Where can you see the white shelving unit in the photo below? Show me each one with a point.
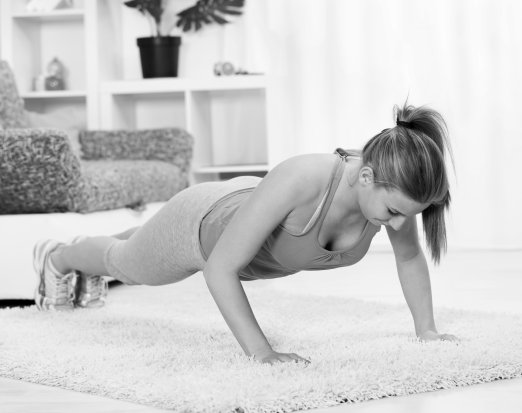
(226, 115)
(55, 15)
(59, 94)
(30, 40)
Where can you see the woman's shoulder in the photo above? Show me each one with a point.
(312, 164)
(309, 172)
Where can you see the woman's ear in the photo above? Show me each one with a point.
(366, 176)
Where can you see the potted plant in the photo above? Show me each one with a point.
(159, 53)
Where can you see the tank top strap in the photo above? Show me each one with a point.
(335, 179)
(328, 195)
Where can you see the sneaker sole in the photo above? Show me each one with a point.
(38, 249)
(39, 253)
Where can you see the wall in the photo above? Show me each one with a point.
(342, 65)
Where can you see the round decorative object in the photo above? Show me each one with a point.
(54, 83)
(224, 69)
(227, 69)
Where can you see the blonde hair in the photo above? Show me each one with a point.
(411, 157)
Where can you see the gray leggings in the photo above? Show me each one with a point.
(166, 249)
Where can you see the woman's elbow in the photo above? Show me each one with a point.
(213, 271)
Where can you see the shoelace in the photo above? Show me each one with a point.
(59, 287)
(97, 286)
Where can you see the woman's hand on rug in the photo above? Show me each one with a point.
(275, 357)
(433, 336)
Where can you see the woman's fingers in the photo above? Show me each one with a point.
(292, 357)
(284, 358)
(449, 337)
(298, 358)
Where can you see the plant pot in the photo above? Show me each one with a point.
(159, 56)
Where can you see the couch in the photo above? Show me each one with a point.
(58, 183)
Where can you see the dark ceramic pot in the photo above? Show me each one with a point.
(159, 56)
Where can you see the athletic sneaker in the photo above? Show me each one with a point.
(55, 291)
(91, 290)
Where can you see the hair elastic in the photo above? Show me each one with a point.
(342, 153)
(404, 124)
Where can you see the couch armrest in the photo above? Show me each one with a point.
(38, 171)
(171, 145)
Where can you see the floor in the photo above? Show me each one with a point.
(485, 280)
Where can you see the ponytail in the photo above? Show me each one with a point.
(411, 157)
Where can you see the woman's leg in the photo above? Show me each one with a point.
(126, 234)
(164, 250)
(86, 256)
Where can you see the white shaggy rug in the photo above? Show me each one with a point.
(169, 347)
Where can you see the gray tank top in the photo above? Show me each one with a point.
(284, 253)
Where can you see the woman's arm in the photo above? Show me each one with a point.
(415, 279)
(230, 297)
(276, 196)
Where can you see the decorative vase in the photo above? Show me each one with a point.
(159, 56)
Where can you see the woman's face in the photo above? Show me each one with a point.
(389, 207)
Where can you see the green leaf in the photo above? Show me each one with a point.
(207, 12)
(152, 7)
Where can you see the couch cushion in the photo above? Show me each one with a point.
(173, 145)
(38, 172)
(128, 183)
(69, 119)
(12, 113)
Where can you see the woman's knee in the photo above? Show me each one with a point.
(165, 279)
(125, 234)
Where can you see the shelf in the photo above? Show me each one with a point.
(232, 168)
(144, 86)
(58, 94)
(173, 85)
(55, 15)
(219, 83)
(220, 112)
